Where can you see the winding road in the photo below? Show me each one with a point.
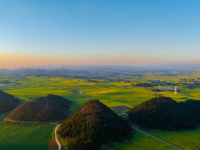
(156, 138)
(59, 145)
(198, 148)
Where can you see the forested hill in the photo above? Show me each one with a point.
(92, 126)
(166, 114)
(194, 106)
(44, 109)
(7, 102)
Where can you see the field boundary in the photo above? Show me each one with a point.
(30, 122)
(156, 138)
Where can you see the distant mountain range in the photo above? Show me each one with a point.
(60, 70)
(40, 72)
(123, 67)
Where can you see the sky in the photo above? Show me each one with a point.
(99, 32)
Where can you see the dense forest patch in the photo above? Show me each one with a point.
(92, 126)
(166, 114)
(7, 102)
(44, 109)
(194, 106)
(144, 84)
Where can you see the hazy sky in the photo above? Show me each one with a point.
(122, 32)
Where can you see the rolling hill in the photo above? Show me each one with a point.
(44, 109)
(165, 113)
(8, 102)
(92, 126)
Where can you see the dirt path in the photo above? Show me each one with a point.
(156, 138)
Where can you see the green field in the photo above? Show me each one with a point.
(25, 137)
(141, 141)
(187, 140)
(113, 93)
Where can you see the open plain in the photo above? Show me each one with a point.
(112, 92)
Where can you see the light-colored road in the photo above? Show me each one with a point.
(86, 95)
(59, 145)
(156, 138)
(198, 148)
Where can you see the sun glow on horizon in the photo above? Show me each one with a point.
(134, 33)
(8, 60)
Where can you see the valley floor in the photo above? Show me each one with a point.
(112, 94)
